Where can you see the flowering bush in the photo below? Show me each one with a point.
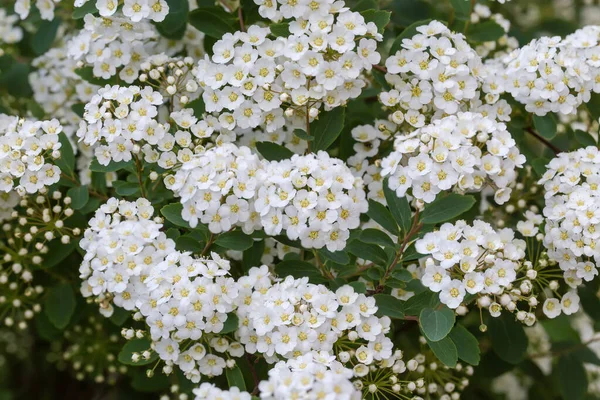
(299, 199)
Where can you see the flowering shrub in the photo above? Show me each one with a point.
(299, 199)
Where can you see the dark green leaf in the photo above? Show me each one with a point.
(188, 243)
(273, 151)
(119, 316)
(281, 29)
(113, 166)
(60, 304)
(445, 350)
(365, 5)
(234, 240)
(198, 106)
(87, 8)
(375, 236)
(235, 377)
(340, 257)
(79, 196)
(390, 306)
(462, 9)
(327, 128)
(66, 162)
(172, 213)
(399, 207)
(436, 323)
(584, 138)
(447, 208)
(367, 251)
(57, 252)
(380, 18)
(213, 21)
(571, 377)
(174, 24)
(303, 135)
(42, 40)
(466, 344)
(546, 125)
(487, 31)
(126, 188)
(136, 346)
(299, 269)
(415, 304)
(231, 323)
(15, 78)
(252, 256)
(380, 214)
(509, 341)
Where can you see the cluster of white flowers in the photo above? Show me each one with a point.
(117, 117)
(27, 148)
(465, 152)
(45, 7)
(134, 10)
(554, 75)
(9, 31)
(313, 375)
(473, 259)
(130, 262)
(211, 391)
(8, 201)
(252, 80)
(292, 317)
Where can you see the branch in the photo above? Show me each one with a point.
(542, 139)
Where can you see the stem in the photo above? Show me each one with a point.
(241, 18)
(254, 374)
(380, 68)
(542, 139)
(208, 244)
(138, 166)
(308, 127)
(566, 350)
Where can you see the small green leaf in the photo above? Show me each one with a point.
(42, 40)
(60, 304)
(299, 269)
(136, 346)
(487, 31)
(119, 316)
(389, 305)
(508, 337)
(79, 196)
(66, 162)
(375, 236)
(545, 125)
(175, 22)
(415, 304)
(273, 151)
(571, 377)
(87, 8)
(188, 243)
(126, 188)
(369, 252)
(281, 29)
(445, 350)
(466, 344)
(379, 18)
(235, 377)
(303, 135)
(340, 257)
(407, 33)
(252, 256)
(327, 128)
(447, 208)
(380, 214)
(213, 21)
(399, 207)
(113, 166)
(234, 240)
(584, 138)
(172, 213)
(462, 9)
(436, 324)
(198, 106)
(231, 323)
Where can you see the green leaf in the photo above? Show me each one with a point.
(487, 31)
(389, 305)
(369, 252)
(508, 338)
(87, 8)
(281, 29)
(407, 33)
(136, 346)
(299, 269)
(231, 323)
(119, 316)
(234, 240)
(340, 257)
(466, 344)
(375, 236)
(593, 105)
(365, 5)
(252, 256)
(445, 350)
(327, 128)
(172, 213)
(380, 214)
(446, 208)
(235, 377)
(462, 9)
(188, 243)
(359, 287)
(399, 207)
(213, 21)
(584, 138)
(15, 79)
(415, 304)
(174, 24)
(197, 106)
(539, 165)
(66, 162)
(126, 188)
(545, 125)
(303, 135)
(42, 40)
(113, 166)
(79, 109)
(59, 305)
(87, 74)
(79, 196)
(380, 18)
(273, 151)
(590, 301)
(57, 252)
(436, 324)
(571, 377)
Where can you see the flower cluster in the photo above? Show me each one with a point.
(252, 80)
(9, 31)
(134, 10)
(45, 7)
(465, 152)
(27, 148)
(554, 75)
(211, 391)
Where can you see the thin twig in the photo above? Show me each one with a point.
(542, 139)
(380, 68)
(565, 350)
(241, 17)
